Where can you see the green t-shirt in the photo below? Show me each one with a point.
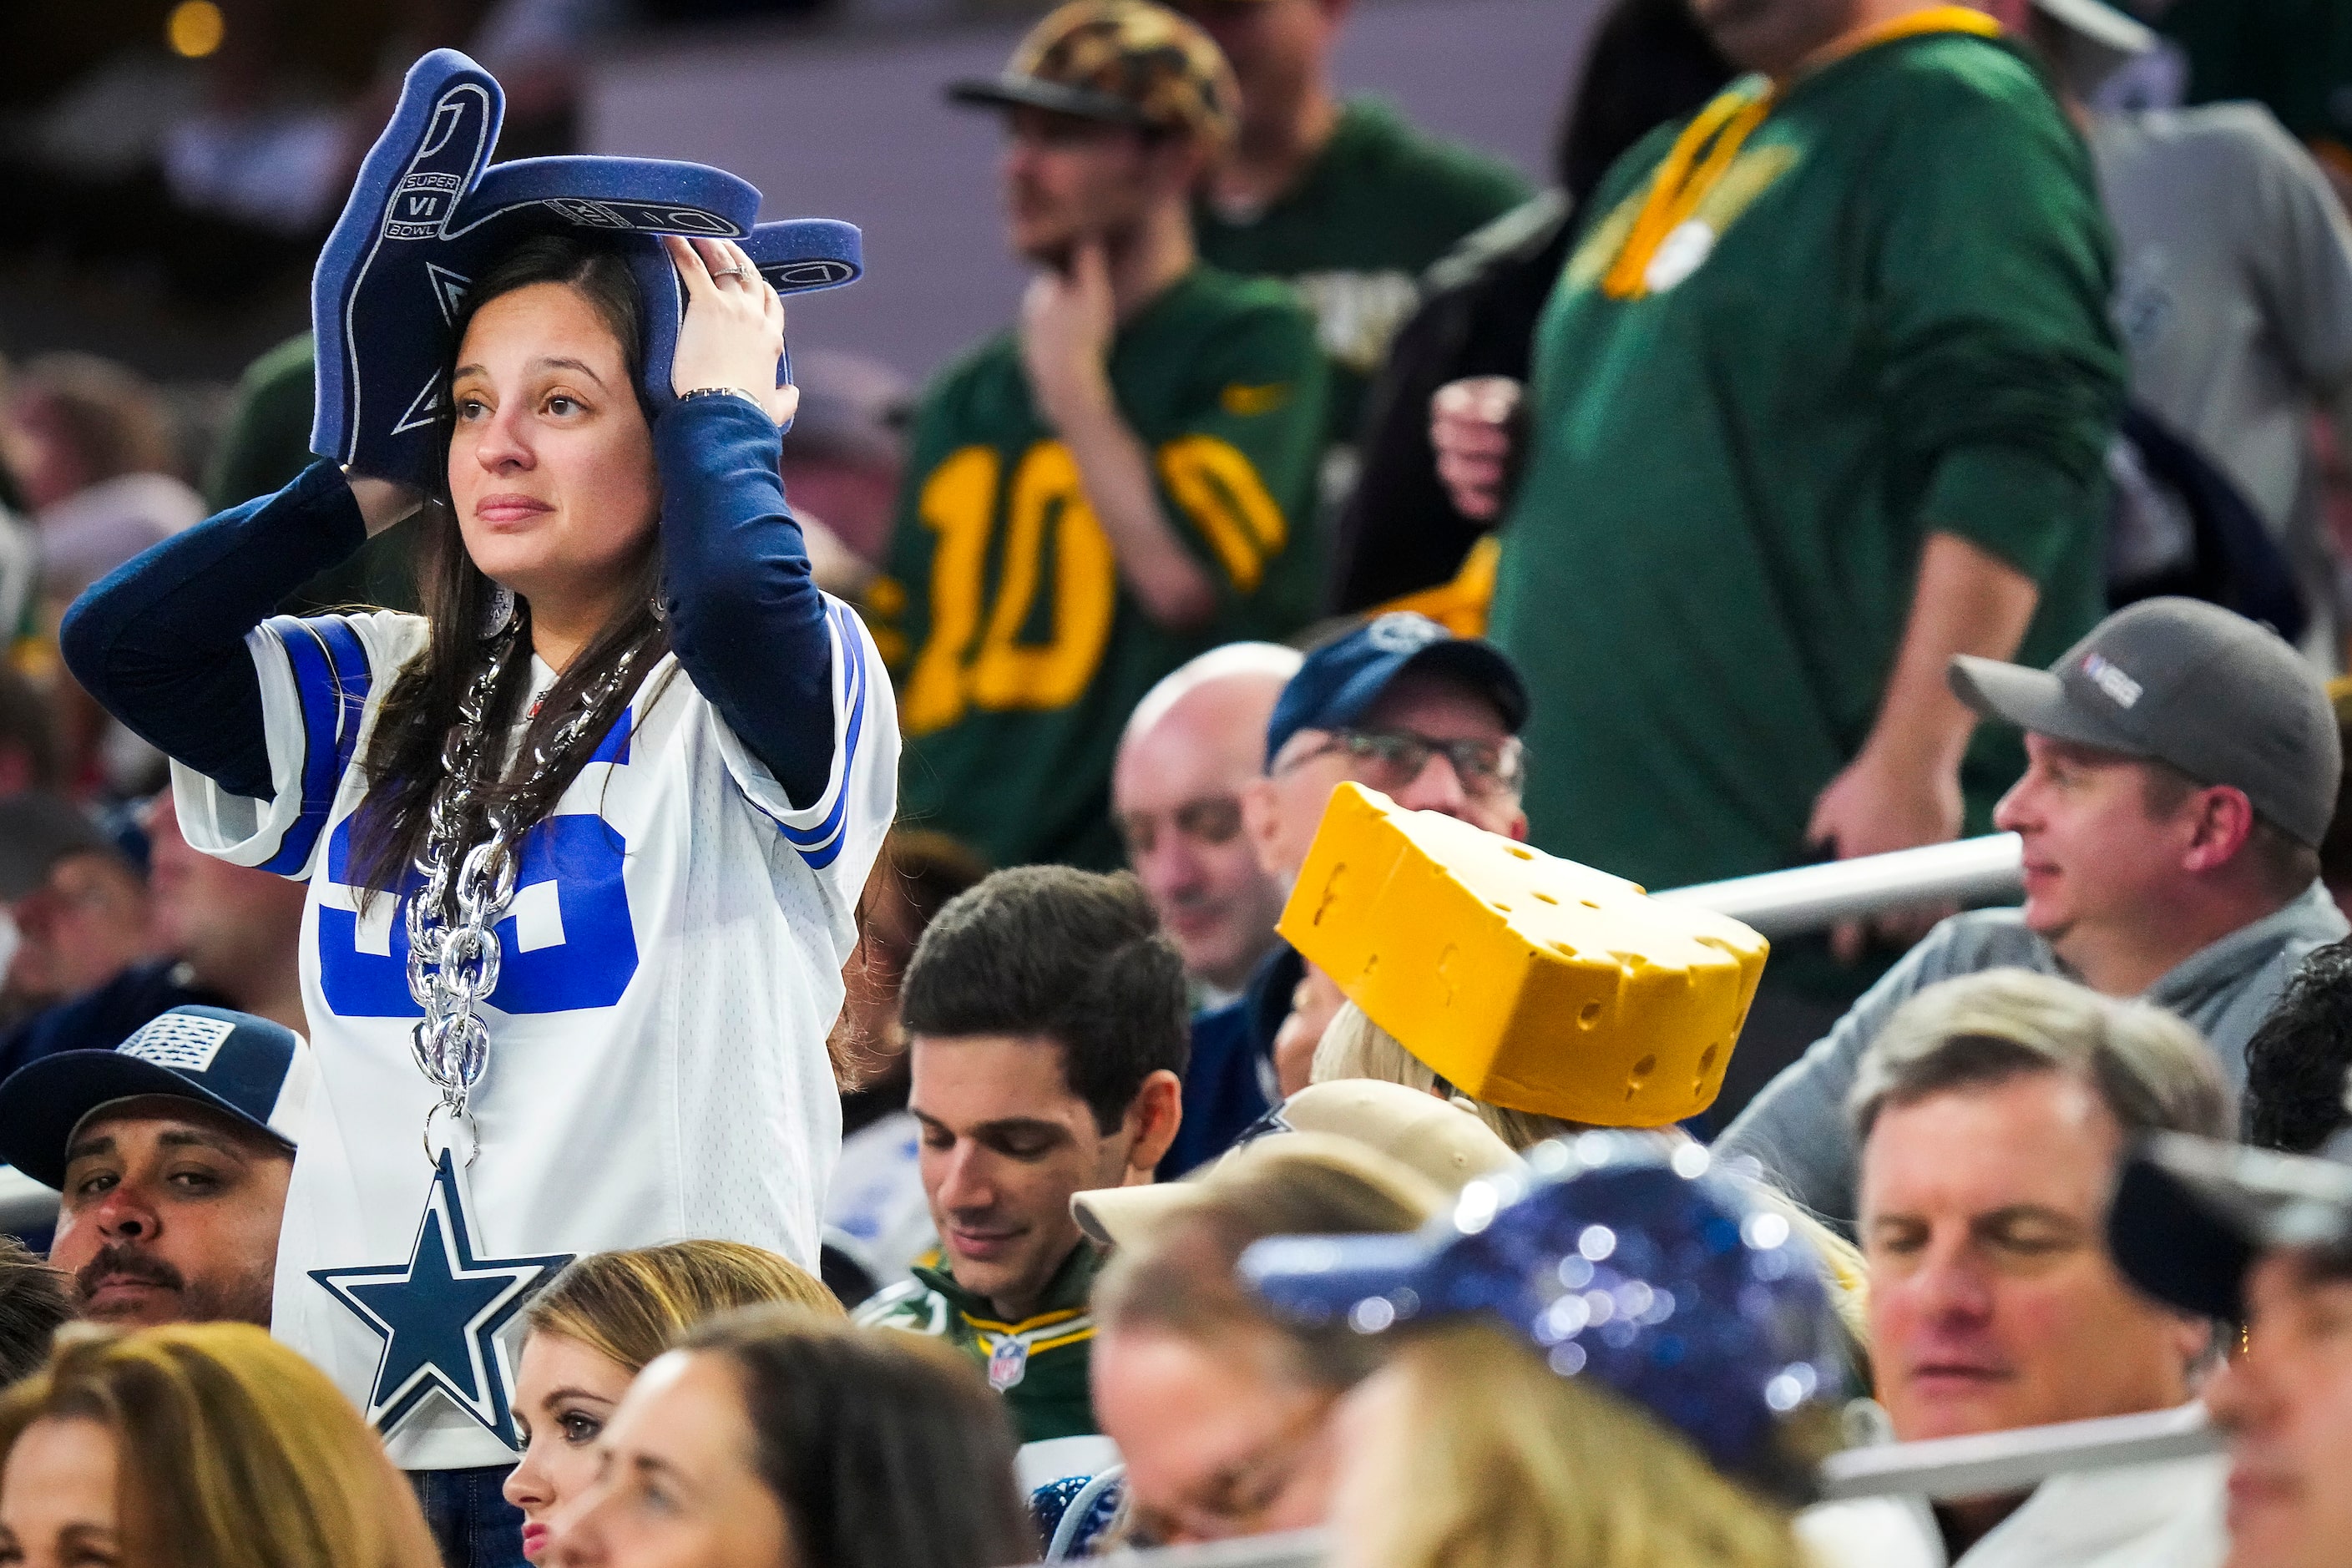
(1017, 650)
(1377, 208)
(1901, 329)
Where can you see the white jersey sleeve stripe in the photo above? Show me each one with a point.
(332, 678)
(315, 676)
(825, 838)
(867, 740)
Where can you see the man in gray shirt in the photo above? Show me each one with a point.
(2233, 286)
(2181, 767)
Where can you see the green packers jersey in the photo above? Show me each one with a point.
(1018, 650)
(1039, 1364)
(1353, 236)
(1887, 319)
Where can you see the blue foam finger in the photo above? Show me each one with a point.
(430, 211)
(632, 200)
(366, 291)
(617, 195)
(802, 255)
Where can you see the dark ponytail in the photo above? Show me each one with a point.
(403, 755)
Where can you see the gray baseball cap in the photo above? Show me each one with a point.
(2221, 698)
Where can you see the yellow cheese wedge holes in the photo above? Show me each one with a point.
(1524, 979)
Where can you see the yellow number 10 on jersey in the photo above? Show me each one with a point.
(1214, 484)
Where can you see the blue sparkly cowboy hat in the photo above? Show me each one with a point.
(430, 210)
(1621, 1256)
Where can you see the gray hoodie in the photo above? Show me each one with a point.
(1798, 1126)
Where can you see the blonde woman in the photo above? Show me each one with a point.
(1465, 1450)
(1356, 1047)
(1629, 1361)
(598, 1325)
(197, 1446)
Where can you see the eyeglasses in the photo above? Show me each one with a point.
(1213, 820)
(1237, 1497)
(1388, 760)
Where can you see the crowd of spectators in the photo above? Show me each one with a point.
(1893, 422)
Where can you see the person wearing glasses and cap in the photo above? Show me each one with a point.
(2182, 767)
(2262, 1239)
(1124, 480)
(1401, 705)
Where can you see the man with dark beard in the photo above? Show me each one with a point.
(170, 1154)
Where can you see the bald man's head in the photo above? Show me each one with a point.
(1194, 741)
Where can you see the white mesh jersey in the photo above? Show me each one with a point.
(670, 967)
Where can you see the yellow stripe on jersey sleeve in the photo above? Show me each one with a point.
(1219, 489)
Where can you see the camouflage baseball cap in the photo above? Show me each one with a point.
(1127, 61)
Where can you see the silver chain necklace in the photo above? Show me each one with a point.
(453, 964)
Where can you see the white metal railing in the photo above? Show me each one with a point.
(1812, 897)
(1986, 1464)
(1291, 1549)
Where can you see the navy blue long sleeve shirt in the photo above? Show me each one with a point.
(161, 641)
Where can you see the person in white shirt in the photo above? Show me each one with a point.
(1992, 1114)
(583, 844)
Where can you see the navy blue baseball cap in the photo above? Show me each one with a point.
(254, 1071)
(1344, 677)
(1624, 1257)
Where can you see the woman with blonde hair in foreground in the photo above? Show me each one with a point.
(1628, 1362)
(197, 1446)
(597, 1326)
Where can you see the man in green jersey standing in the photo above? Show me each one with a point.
(1340, 196)
(1822, 400)
(1121, 483)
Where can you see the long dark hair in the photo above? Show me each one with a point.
(882, 1448)
(404, 757)
(1650, 62)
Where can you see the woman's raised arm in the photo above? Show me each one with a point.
(160, 642)
(745, 615)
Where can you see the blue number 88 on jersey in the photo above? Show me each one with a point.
(566, 941)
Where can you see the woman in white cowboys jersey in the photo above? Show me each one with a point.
(582, 842)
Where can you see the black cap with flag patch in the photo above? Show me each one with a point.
(255, 1072)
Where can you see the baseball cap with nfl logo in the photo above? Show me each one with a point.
(255, 1072)
(2221, 699)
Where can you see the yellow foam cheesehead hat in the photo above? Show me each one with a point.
(1524, 979)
